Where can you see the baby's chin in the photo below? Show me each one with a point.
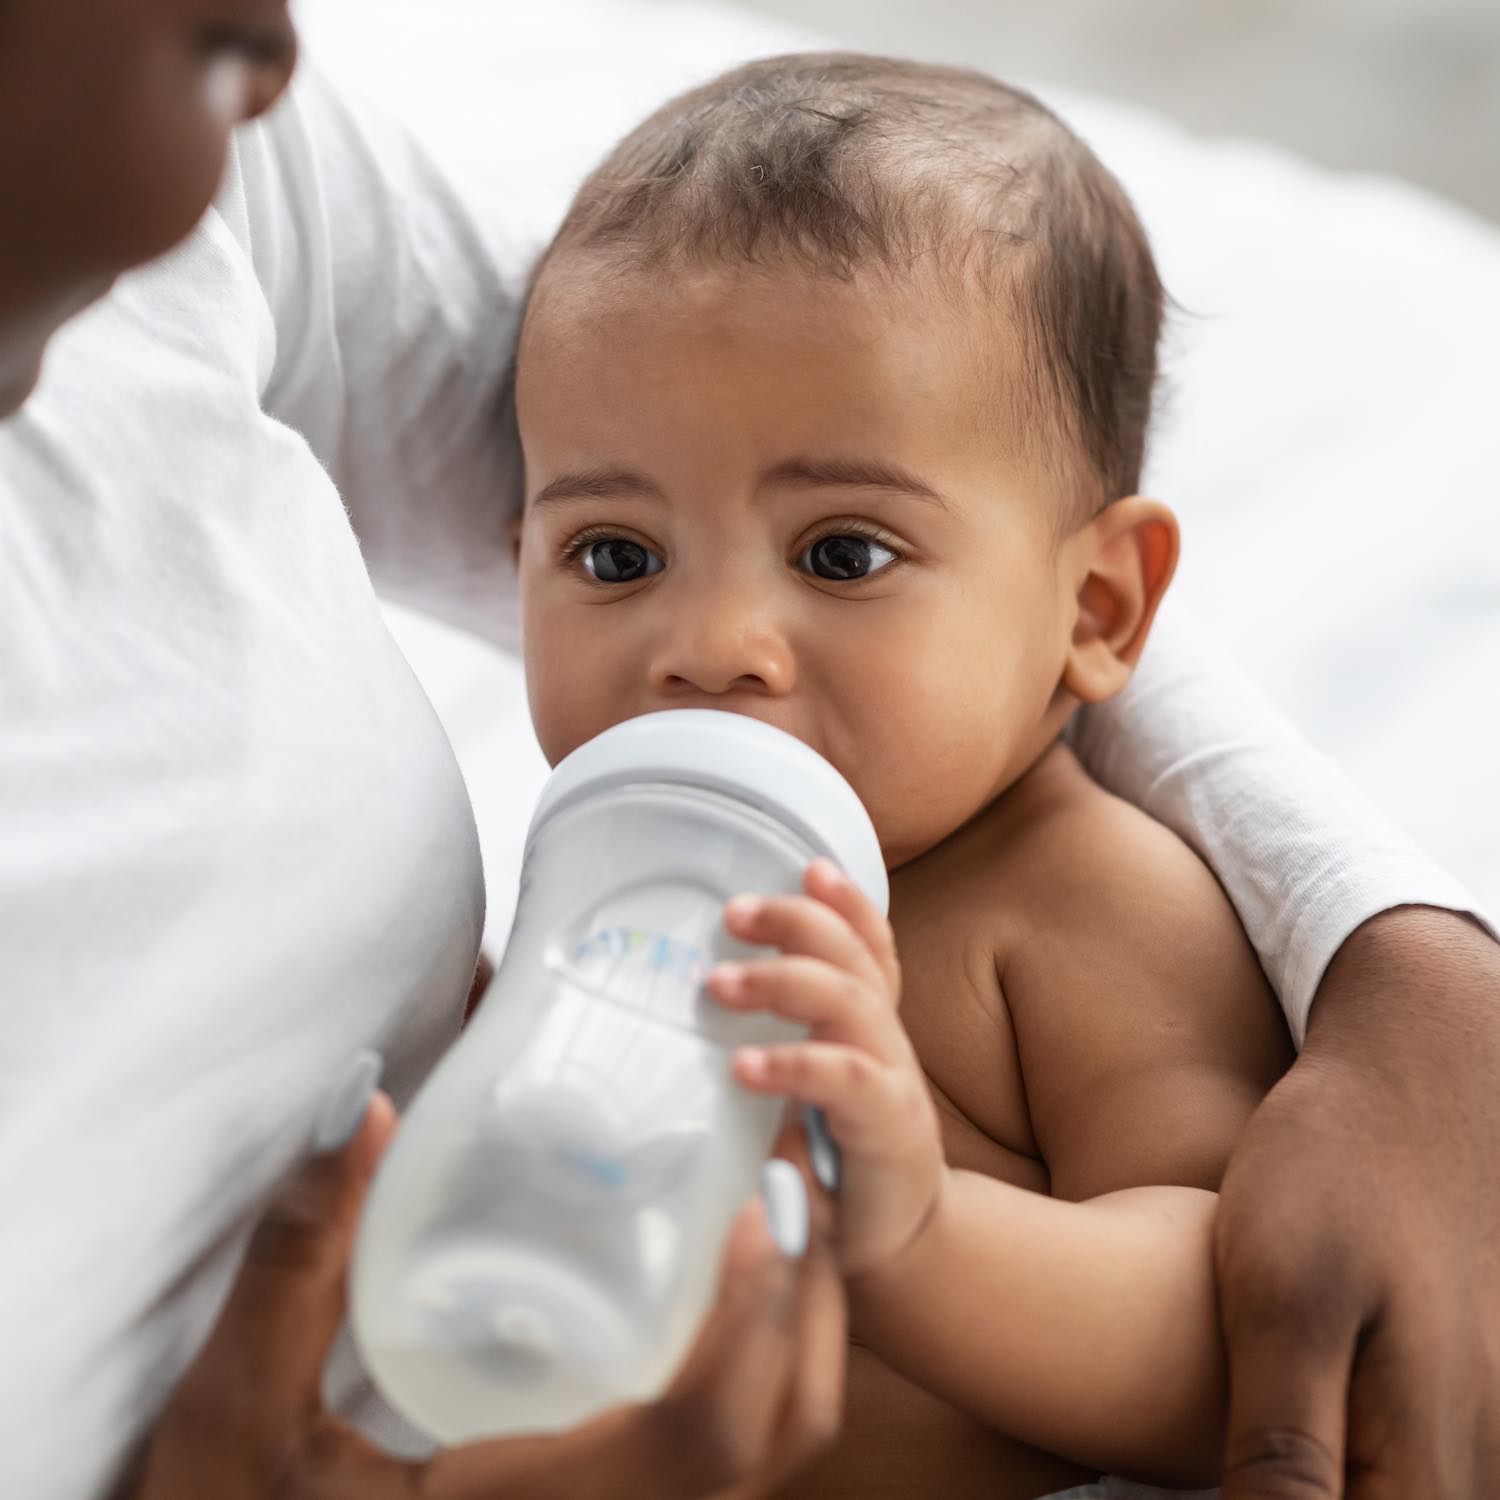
(911, 822)
(905, 846)
(907, 825)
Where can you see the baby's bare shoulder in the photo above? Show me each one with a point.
(1146, 1027)
(1083, 860)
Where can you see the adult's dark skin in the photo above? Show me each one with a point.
(1358, 1238)
(114, 119)
(1359, 1280)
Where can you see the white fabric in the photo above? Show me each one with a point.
(1332, 380)
(1302, 854)
(232, 842)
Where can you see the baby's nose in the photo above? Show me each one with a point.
(722, 647)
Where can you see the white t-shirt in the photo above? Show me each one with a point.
(234, 845)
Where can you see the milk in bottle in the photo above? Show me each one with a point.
(543, 1237)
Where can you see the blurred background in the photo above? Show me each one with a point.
(1408, 87)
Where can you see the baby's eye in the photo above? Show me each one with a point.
(617, 559)
(843, 558)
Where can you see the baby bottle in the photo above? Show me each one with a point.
(543, 1237)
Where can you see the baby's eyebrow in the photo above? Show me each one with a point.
(851, 473)
(598, 484)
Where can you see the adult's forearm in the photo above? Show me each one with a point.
(1088, 1329)
(1411, 996)
(1356, 1234)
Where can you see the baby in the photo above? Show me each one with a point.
(833, 393)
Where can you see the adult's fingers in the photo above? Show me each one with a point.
(716, 1422)
(1413, 1429)
(288, 1301)
(1288, 1395)
(246, 1420)
(815, 1406)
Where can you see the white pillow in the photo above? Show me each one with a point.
(1327, 438)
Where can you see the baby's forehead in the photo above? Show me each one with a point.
(934, 338)
(585, 295)
(777, 363)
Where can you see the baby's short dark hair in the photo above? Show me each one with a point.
(841, 161)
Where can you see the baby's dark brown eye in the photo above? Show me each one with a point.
(617, 559)
(842, 559)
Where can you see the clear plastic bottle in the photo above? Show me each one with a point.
(543, 1237)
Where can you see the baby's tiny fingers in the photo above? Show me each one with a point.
(839, 1006)
(800, 925)
(826, 883)
(856, 1093)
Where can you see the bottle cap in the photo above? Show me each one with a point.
(738, 757)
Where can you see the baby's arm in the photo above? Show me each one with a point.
(1087, 1328)
(1147, 1037)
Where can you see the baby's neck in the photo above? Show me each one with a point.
(1011, 802)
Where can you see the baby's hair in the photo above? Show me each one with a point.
(841, 162)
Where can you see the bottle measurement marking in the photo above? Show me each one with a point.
(658, 951)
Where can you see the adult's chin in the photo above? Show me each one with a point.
(23, 348)
(18, 379)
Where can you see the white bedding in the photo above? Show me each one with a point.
(1327, 439)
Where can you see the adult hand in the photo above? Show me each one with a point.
(760, 1393)
(1358, 1241)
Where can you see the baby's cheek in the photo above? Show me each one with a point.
(929, 765)
(565, 699)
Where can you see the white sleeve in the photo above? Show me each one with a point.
(393, 292)
(1303, 855)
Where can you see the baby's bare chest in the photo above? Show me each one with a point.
(953, 1008)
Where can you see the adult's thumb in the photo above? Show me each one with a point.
(289, 1298)
(1287, 1411)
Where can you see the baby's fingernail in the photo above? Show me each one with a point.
(727, 979)
(743, 908)
(829, 871)
(822, 1150)
(752, 1060)
(347, 1101)
(785, 1196)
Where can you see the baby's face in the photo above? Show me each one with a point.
(789, 498)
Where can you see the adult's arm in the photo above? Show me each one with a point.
(392, 291)
(1304, 857)
(1359, 1288)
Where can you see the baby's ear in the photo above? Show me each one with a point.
(1122, 561)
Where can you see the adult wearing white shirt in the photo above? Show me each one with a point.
(234, 848)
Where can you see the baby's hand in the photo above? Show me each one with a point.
(837, 973)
